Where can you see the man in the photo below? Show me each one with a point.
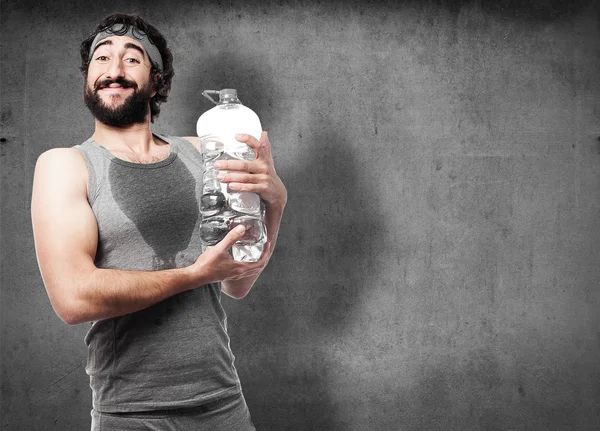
(116, 231)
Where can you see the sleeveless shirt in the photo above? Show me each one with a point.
(175, 353)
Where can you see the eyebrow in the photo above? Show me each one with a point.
(127, 45)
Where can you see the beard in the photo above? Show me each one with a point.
(132, 110)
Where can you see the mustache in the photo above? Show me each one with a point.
(121, 81)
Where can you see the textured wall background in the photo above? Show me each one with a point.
(438, 263)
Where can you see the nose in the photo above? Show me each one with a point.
(115, 68)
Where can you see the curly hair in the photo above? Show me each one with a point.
(164, 77)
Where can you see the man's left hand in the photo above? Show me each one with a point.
(258, 175)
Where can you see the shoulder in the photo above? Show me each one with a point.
(186, 140)
(194, 140)
(61, 156)
(67, 163)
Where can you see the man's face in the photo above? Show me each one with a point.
(118, 86)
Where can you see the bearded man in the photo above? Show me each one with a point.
(116, 223)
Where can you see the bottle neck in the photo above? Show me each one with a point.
(229, 99)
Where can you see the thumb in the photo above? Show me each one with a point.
(233, 236)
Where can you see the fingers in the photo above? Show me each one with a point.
(240, 182)
(254, 268)
(251, 167)
(249, 269)
(260, 165)
(238, 177)
(236, 234)
(249, 140)
(231, 238)
(262, 147)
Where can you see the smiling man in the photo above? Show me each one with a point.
(115, 223)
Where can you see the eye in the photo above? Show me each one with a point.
(132, 60)
(102, 58)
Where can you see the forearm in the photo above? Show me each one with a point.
(103, 293)
(240, 287)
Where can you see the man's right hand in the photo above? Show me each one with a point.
(216, 264)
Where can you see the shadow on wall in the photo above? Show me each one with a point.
(286, 333)
(320, 275)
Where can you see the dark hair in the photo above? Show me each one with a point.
(163, 82)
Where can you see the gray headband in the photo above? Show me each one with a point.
(134, 33)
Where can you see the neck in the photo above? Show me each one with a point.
(136, 137)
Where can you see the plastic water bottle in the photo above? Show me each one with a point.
(223, 209)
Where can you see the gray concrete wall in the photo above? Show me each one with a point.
(438, 263)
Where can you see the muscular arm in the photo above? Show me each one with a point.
(66, 238)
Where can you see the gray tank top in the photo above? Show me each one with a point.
(175, 353)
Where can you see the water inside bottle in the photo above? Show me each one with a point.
(247, 252)
(222, 208)
(211, 147)
(213, 229)
(240, 151)
(255, 230)
(244, 202)
(212, 202)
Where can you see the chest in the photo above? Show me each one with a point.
(150, 216)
